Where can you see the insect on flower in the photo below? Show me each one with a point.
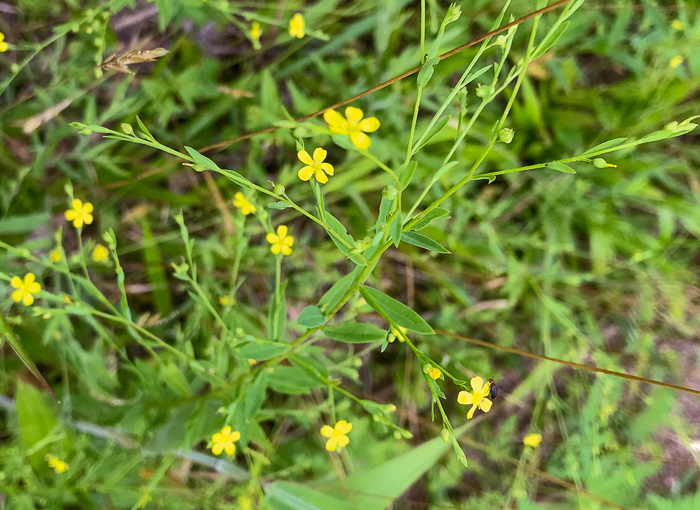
(493, 389)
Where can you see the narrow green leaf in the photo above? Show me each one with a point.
(396, 229)
(395, 311)
(333, 296)
(561, 167)
(423, 241)
(202, 160)
(426, 72)
(437, 127)
(311, 317)
(22, 224)
(603, 146)
(261, 350)
(278, 205)
(36, 421)
(549, 40)
(355, 332)
(431, 216)
(340, 231)
(406, 174)
(7, 335)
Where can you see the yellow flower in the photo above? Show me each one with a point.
(252, 361)
(296, 26)
(281, 242)
(79, 213)
(434, 372)
(25, 288)
(100, 254)
(3, 44)
(352, 125)
(532, 440)
(338, 435)
(224, 300)
(243, 204)
(223, 441)
(55, 256)
(255, 31)
(395, 334)
(477, 398)
(67, 299)
(315, 166)
(676, 61)
(58, 465)
(677, 24)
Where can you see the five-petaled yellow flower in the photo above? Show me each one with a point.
(296, 26)
(223, 441)
(352, 125)
(55, 256)
(25, 288)
(100, 254)
(255, 31)
(434, 372)
(478, 397)
(240, 201)
(532, 440)
(281, 242)
(56, 464)
(315, 166)
(337, 436)
(3, 44)
(80, 213)
(676, 61)
(677, 24)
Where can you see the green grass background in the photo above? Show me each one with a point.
(598, 268)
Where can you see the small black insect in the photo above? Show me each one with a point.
(493, 389)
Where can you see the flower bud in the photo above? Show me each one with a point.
(453, 13)
(127, 128)
(506, 135)
(278, 189)
(445, 434)
(389, 192)
(483, 91)
(601, 163)
(501, 40)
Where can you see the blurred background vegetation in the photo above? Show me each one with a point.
(597, 268)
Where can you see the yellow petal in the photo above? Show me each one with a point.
(465, 398)
(289, 241)
(29, 278)
(87, 218)
(327, 431)
(235, 435)
(272, 238)
(354, 114)
(16, 282)
(369, 125)
(77, 204)
(216, 438)
(470, 414)
(217, 448)
(305, 173)
(282, 231)
(78, 222)
(328, 168)
(320, 176)
(17, 295)
(332, 444)
(343, 426)
(360, 140)
(343, 441)
(28, 299)
(230, 449)
(485, 405)
(286, 250)
(334, 119)
(319, 155)
(275, 248)
(34, 287)
(87, 208)
(477, 384)
(71, 214)
(226, 430)
(304, 157)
